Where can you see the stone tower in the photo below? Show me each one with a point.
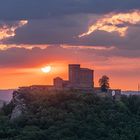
(74, 77)
(81, 78)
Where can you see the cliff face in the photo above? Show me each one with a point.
(19, 105)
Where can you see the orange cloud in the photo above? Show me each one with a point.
(114, 23)
(7, 31)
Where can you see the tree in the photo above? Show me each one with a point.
(104, 83)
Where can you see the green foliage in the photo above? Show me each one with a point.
(7, 109)
(73, 116)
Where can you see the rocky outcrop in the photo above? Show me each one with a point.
(1, 103)
(19, 106)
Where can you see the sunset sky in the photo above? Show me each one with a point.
(103, 35)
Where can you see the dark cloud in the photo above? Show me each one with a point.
(21, 57)
(61, 21)
(43, 9)
(66, 30)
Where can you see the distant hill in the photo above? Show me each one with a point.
(130, 92)
(6, 95)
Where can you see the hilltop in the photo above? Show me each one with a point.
(71, 116)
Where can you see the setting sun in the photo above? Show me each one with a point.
(46, 69)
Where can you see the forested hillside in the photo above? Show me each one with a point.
(72, 116)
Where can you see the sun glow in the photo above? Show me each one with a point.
(46, 69)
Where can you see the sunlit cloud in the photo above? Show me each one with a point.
(87, 47)
(26, 46)
(113, 22)
(7, 30)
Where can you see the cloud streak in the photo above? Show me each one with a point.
(114, 22)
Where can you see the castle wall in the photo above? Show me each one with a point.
(80, 77)
(86, 78)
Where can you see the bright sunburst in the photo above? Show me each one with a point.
(46, 69)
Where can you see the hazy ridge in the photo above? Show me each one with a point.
(6, 95)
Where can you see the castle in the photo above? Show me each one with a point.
(79, 78)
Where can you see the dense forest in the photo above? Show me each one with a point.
(72, 116)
